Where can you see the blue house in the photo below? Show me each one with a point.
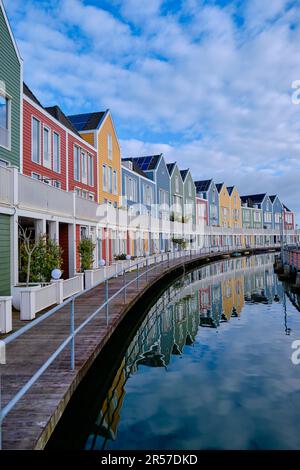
(263, 202)
(139, 195)
(155, 168)
(277, 208)
(206, 189)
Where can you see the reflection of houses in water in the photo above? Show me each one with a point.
(212, 294)
(105, 427)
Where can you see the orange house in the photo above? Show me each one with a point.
(98, 130)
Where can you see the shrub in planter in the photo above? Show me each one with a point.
(86, 251)
(180, 242)
(37, 262)
(121, 257)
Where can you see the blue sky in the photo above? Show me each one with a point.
(208, 83)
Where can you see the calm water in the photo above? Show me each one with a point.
(210, 367)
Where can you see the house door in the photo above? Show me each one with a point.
(4, 255)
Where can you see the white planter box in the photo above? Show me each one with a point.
(16, 293)
(5, 314)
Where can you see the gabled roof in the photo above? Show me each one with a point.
(286, 208)
(184, 173)
(171, 167)
(87, 121)
(273, 197)
(11, 33)
(58, 114)
(230, 189)
(219, 186)
(28, 92)
(135, 167)
(203, 185)
(148, 163)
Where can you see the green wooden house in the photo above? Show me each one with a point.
(10, 135)
(176, 193)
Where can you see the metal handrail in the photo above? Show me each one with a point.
(73, 332)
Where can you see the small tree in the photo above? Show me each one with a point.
(29, 247)
(45, 256)
(86, 251)
(180, 242)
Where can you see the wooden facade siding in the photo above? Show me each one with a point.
(4, 254)
(29, 111)
(10, 80)
(72, 141)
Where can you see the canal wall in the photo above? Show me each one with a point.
(44, 405)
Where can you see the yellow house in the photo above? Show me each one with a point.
(224, 205)
(98, 130)
(235, 207)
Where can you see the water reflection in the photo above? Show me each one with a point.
(211, 297)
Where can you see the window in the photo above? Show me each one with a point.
(5, 106)
(109, 147)
(131, 188)
(3, 162)
(56, 153)
(277, 218)
(78, 191)
(109, 178)
(148, 195)
(90, 170)
(83, 232)
(257, 216)
(104, 178)
(35, 176)
(83, 167)
(47, 148)
(84, 194)
(176, 184)
(190, 188)
(115, 182)
(91, 197)
(35, 141)
(268, 217)
(163, 197)
(76, 163)
(56, 184)
(246, 216)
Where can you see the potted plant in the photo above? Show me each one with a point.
(86, 251)
(38, 258)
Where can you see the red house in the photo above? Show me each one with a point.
(201, 211)
(289, 219)
(55, 153)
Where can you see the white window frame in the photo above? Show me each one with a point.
(90, 166)
(109, 147)
(8, 130)
(35, 176)
(56, 184)
(115, 182)
(109, 180)
(33, 118)
(77, 158)
(47, 163)
(104, 177)
(53, 151)
(84, 166)
(3, 162)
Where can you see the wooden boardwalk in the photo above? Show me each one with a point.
(30, 424)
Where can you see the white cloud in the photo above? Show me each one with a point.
(209, 93)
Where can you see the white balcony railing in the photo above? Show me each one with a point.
(6, 186)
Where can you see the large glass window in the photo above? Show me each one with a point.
(90, 170)
(47, 147)
(109, 146)
(76, 163)
(56, 153)
(35, 141)
(83, 167)
(104, 178)
(109, 177)
(4, 121)
(115, 182)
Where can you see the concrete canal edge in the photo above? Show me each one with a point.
(153, 288)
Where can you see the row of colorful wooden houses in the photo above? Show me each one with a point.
(57, 170)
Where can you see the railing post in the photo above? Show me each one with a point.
(147, 264)
(106, 300)
(137, 275)
(168, 260)
(124, 285)
(72, 329)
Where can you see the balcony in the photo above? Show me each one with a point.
(6, 186)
